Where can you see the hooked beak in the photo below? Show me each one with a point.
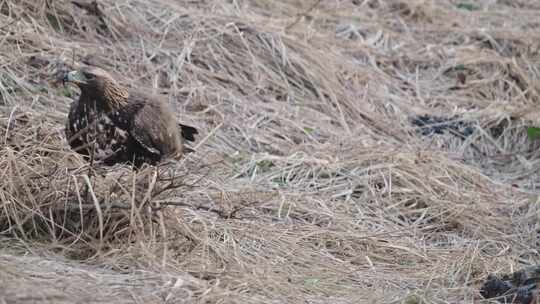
(75, 77)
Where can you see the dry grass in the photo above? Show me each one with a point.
(309, 184)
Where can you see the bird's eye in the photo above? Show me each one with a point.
(88, 76)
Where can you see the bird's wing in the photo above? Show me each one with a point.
(186, 132)
(145, 130)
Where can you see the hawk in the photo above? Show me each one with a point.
(112, 124)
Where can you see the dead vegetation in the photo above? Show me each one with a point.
(310, 183)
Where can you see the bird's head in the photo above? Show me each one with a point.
(96, 82)
(91, 77)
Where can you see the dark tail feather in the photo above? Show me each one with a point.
(188, 132)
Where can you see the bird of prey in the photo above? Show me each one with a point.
(112, 124)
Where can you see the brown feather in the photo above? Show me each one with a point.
(120, 125)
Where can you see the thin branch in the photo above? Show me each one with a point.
(9, 23)
(177, 203)
(299, 16)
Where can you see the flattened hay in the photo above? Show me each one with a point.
(348, 152)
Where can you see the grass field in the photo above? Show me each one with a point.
(312, 180)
